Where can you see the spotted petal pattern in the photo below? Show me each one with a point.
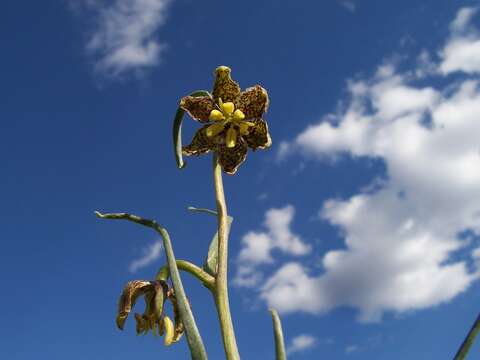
(231, 158)
(225, 88)
(253, 102)
(258, 136)
(201, 143)
(198, 107)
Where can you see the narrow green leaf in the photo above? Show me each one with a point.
(207, 211)
(469, 340)
(280, 353)
(210, 265)
(177, 130)
(194, 339)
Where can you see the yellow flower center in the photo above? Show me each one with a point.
(226, 117)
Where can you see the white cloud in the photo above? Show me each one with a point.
(291, 289)
(124, 37)
(258, 246)
(462, 50)
(462, 20)
(399, 239)
(301, 343)
(150, 254)
(351, 348)
(425, 65)
(348, 4)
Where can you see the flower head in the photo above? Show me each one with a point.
(153, 319)
(233, 121)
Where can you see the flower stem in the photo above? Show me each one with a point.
(221, 281)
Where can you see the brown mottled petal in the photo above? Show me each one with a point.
(179, 327)
(258, 136)
(200, 144)
(149, 305)
(142, 326)
(231, 158)
(253, 102)
(198, 107)
(129, 296)
(161, 289)
(224, 87)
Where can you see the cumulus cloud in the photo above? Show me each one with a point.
(401, 240)
(257, 247)
(124, 36)
(462, 50)
(150, 254)
(292, 289)
(301, 343)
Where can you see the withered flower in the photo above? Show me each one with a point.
(155, 294)
(233, 121)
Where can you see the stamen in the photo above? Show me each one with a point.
(245, 127)
(231, 138)
(227, 108)
(216, 115)
(215, 129)
(238, 115)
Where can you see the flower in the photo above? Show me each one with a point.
(233, 121)
(155, 294)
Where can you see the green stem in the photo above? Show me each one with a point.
(468, 342)
(278, 333)
(221, 283)
(205, 278)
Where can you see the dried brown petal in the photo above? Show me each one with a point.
(131, 292)
(161, 289)
(179, 327)
(142, 325)
(224, 87)
(253, 102)
(198, 107)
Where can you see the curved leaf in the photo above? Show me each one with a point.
(177, 130)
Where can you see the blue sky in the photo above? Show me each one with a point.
(360, 224)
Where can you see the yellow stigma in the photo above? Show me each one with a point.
(227, 108)
(231, 139)
(215, 129)
(216, 115)
(238, 115)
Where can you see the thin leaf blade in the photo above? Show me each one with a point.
(194, 339)
(280, 353)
